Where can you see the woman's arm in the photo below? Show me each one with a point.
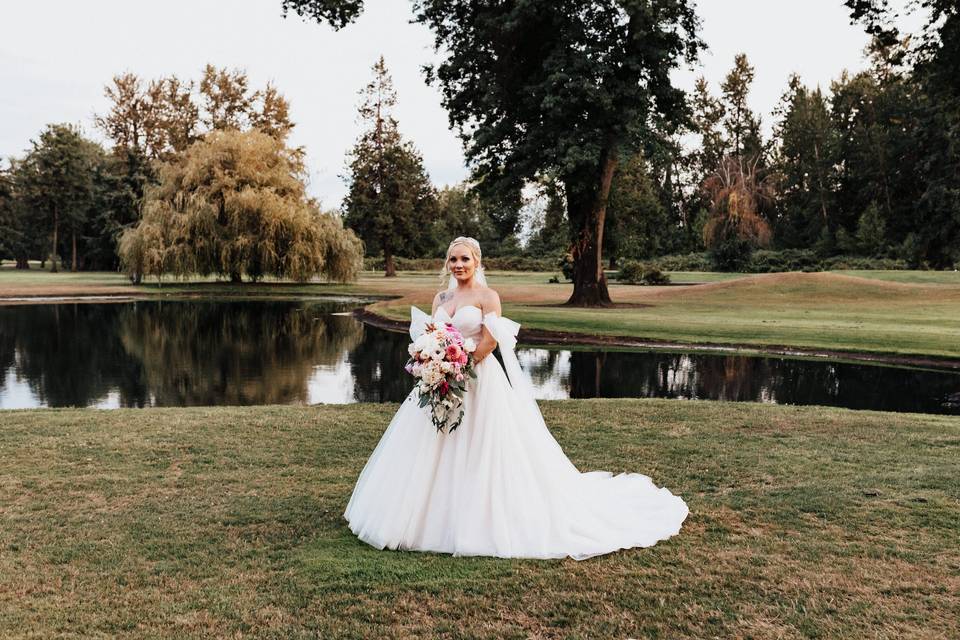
(491, 302)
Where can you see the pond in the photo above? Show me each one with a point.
(243, 352)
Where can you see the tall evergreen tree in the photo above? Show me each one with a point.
(708, 118)
(56, 185)
(874, 116)
(931, 86)
(636, 216)
(391, 203)
(741, 124)
(807, 157)
(11, 227)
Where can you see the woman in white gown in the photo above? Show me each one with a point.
(499, 485)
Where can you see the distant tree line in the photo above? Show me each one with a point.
(199, 180)
(576, 102)
(578, 141)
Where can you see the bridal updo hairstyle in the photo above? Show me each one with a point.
(446, 277)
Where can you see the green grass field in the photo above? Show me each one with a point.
(890, 312)
(811, 311)
(226, 522)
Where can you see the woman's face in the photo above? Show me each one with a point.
(461, 263)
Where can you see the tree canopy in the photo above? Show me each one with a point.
(234, 205)
(554, 87)
(164, 116)
(55, 184)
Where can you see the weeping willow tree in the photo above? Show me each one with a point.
(736, 224)
(234, 204)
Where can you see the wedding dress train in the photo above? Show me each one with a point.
(499, 485)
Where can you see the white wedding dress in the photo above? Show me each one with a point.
(499, 485)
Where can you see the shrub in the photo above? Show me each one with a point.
(631, 272)
(566, 265)
(730, 253)
(765, 261)
(684, 262)
(859, 262)
(634, 272)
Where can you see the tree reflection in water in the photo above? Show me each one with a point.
(616, 374)
(210, 353)
(171, 353)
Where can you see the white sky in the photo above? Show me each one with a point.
(56, 56)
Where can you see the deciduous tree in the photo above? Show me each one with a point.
(554, 87)
(234, 205)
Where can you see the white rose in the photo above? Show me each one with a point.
(469, 345)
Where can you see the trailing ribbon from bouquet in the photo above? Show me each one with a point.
(504, 331)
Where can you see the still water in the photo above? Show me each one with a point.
(183, 353)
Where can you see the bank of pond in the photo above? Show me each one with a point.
(188, 352)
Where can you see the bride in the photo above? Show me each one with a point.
(499, 485)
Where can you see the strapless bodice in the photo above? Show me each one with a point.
(468, 320)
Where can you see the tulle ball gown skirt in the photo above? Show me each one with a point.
(499, 485)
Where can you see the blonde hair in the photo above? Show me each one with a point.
(446, 278)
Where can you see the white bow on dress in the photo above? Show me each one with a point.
(504, 331)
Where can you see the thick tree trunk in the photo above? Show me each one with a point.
(589, 282)
(23, 263)
(235, 277)
(73, 257)
(53, 250)
(390, 269)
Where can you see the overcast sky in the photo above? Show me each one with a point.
(56, 56)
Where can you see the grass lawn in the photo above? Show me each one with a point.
(912, 277)
(226, 522)
(807, 310)
(866, 312)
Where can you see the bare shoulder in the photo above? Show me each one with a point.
(491, 301)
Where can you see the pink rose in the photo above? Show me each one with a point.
(459, 377)
(463, 357)
(453, 353)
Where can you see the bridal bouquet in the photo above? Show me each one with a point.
(442, 360)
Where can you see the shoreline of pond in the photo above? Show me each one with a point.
(526, 336)
(545, 337)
